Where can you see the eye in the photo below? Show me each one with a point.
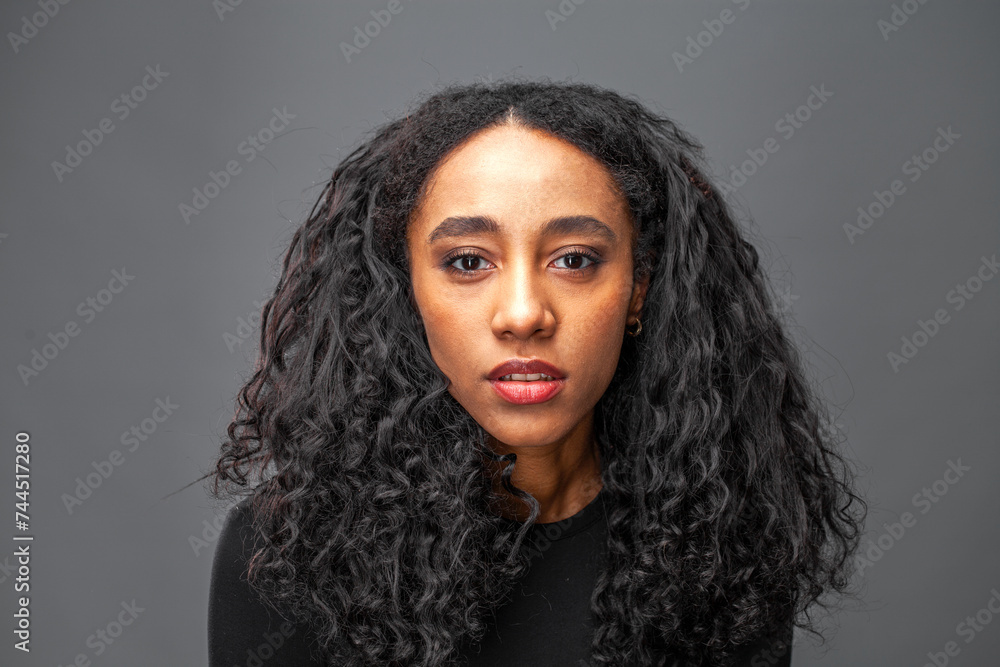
(578, 261)
(468, 261)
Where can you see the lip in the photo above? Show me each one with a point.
(520, 392)
(525, 367)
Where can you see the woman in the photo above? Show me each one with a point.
(523, 398)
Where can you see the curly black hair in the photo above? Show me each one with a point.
(731, 512)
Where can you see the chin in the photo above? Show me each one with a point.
(526, 438)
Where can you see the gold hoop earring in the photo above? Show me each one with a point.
(637, 330)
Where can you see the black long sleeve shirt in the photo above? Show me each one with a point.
(545, 623)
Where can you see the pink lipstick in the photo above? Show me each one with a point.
(533, 381)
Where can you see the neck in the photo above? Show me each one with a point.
(564, 476)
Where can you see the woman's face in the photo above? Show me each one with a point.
(521, 249)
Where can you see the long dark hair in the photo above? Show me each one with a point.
(730, 510)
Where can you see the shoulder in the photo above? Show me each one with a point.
(774, 650)
(238, 541)
(237, 537)
(239, 619)
(233, 551)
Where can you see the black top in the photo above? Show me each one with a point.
(546, 622)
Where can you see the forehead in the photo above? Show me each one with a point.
(521, 177)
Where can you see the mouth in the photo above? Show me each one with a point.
(526, 381)
(521, 377)
(526, 370)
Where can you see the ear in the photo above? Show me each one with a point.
(416, 309)
(418, 317)
(639, 288)
(413, 301)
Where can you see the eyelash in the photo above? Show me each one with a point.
(452, 258)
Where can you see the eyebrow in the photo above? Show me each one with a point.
(469, 225)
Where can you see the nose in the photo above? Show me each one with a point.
(522, 307)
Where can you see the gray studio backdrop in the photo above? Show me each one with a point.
(157, 156)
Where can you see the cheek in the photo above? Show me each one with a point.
(450, 338)
(601, 338)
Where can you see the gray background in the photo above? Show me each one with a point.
(164, 335)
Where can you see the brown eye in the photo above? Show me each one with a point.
(468, 263)
(577, 261)
(464, 263)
